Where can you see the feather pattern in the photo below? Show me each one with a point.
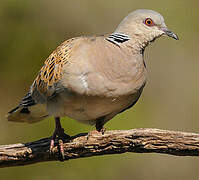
(52, 70)
(118, 38)
(32, 108)
(27, 100)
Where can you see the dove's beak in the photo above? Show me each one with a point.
(170, 33)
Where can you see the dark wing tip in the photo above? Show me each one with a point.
(25, 110)
(27, 100)
(25, 103)
(13, 110)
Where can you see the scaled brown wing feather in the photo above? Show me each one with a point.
(31, 109)
(52, 70)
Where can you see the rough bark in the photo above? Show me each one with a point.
(112, 142)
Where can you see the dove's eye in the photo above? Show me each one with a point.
(149, 22)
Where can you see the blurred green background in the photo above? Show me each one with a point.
(31, 30)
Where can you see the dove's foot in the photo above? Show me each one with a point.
(60, 136)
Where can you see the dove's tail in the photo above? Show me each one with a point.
(28, 111)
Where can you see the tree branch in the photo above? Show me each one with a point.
(112, 142)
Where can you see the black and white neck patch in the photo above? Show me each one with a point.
(118, 38)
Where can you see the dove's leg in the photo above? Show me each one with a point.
(100, 125)
(59, 135)
(100, 130)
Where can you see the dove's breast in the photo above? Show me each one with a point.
(100, 79)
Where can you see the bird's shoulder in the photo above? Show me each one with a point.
(52, 70)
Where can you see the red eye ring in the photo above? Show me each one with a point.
(149, 22)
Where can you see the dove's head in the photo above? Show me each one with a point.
(145, 25)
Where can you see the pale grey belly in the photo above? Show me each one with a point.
(87, 109)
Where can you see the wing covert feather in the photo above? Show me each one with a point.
(52, 71)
